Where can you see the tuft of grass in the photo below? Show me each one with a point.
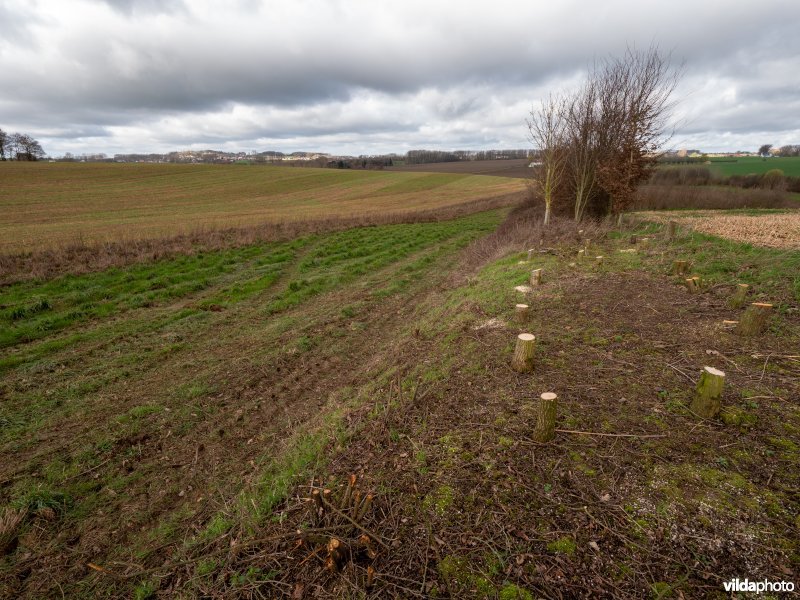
(144, 590)
(11, 520)
(43, 498)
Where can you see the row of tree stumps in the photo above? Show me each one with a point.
(707, 401)
(522, 362)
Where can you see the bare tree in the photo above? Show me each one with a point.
(24, 147)
(3, 144)
(583, 148)
(547, 133)
(635, 104)
(764, 150)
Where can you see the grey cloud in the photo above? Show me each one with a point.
(177, 73)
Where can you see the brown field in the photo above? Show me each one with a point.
(45, 205)
(516, 168)
(773, 230)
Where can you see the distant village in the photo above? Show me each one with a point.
(378, 161)
(309, 159)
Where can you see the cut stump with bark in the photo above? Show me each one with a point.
(672, 228)
(545, 429)
(693, 285)
(536, 277)
(681, 267)
(754, 320)
(530, 254)
(522, 311)
(522, 361)
(708, 396)
(739, 297)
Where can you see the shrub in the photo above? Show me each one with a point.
(773, 179)
(666, 197)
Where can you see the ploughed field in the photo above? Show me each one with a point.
(772, 228)
(53, 204)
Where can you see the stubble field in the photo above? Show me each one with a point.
(53, 204)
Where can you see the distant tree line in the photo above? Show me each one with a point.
(362, 162)
(19, 146)
(790, 150)
(768, 150)
(595, 146)
(418, 157)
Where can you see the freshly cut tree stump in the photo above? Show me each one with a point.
(599, 259)
(530, 254)
(522, 361)
(708, 396)
(754, 319)
(587, 243)
(680, 267)
(671, 230)
(545, 429)
(536, 277)
(522, 312)
(693, 285)
(739, 296)
(581, 254)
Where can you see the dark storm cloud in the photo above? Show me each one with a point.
(155, 74)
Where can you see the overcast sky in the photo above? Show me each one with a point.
(366, 77)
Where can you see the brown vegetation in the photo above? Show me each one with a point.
(524, 229)
(668, 197)
(596, 146)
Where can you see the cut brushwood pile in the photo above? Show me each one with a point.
(338, 535)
